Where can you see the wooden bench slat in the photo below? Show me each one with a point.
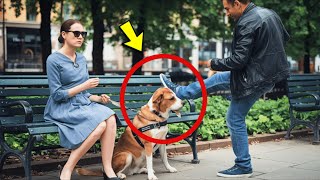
(91, 76)
(129, 89)
(46, 127)
(110, 81)
(97, 90)
(304, 77)
(305, 107)
(303, 83)
(19, 119)
(40, 110)
(185, 117)
(304, 89)
(43, 101)
(43, 130)
(24, 92)
(302, 100)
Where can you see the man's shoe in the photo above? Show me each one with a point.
(167, 83)
(236, 172)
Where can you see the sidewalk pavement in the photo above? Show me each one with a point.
(284, 159)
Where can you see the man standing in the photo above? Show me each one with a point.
(258, 61)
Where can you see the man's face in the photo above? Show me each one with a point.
(233, 10)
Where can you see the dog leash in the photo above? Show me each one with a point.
(118, 105)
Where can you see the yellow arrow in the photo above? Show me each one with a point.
(135, 42)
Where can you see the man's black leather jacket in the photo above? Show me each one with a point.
(258, 56)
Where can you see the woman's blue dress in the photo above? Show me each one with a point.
(75, 116)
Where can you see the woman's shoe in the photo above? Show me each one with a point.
(60, 169)
(105, 177)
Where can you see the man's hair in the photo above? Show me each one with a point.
(241, 1)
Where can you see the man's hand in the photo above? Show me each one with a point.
(209, 64)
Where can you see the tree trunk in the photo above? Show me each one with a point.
(308, 38)
(61, 12)
(306, 63)
(138, 55)
(45, 32)
(98, 28)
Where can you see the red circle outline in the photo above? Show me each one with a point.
(204, 98)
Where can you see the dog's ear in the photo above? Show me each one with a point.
(157, 98)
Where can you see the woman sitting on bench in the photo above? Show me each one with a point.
(81, 119)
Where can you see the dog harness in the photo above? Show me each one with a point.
(145, 128)
(148, 127)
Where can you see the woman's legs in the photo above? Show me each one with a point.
(107, 145)
(84, 147)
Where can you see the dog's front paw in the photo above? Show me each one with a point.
(152, 177)
(121, 176)
(172, 169)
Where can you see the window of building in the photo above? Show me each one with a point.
(23, 50)
(184, 52)
(31, 14)
(207, 50)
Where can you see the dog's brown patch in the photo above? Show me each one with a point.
(162, 99)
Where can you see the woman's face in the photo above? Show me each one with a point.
(75, 36)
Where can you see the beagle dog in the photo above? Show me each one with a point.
(133, 154)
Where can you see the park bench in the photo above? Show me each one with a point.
(23, 99)
(303, 91)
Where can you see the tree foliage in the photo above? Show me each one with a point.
(302, 20)
(165, 25)
(168, 25)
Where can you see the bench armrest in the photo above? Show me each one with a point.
(27, 109)
(315, 96)
(192, 105)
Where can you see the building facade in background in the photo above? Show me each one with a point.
(20, 47)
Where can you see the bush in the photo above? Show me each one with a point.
(266, 116)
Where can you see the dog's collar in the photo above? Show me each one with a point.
(153, 111)
(157, 113)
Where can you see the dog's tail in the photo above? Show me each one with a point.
(89, 172)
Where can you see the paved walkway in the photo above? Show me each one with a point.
(285, 159)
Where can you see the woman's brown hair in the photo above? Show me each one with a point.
(66, 25)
